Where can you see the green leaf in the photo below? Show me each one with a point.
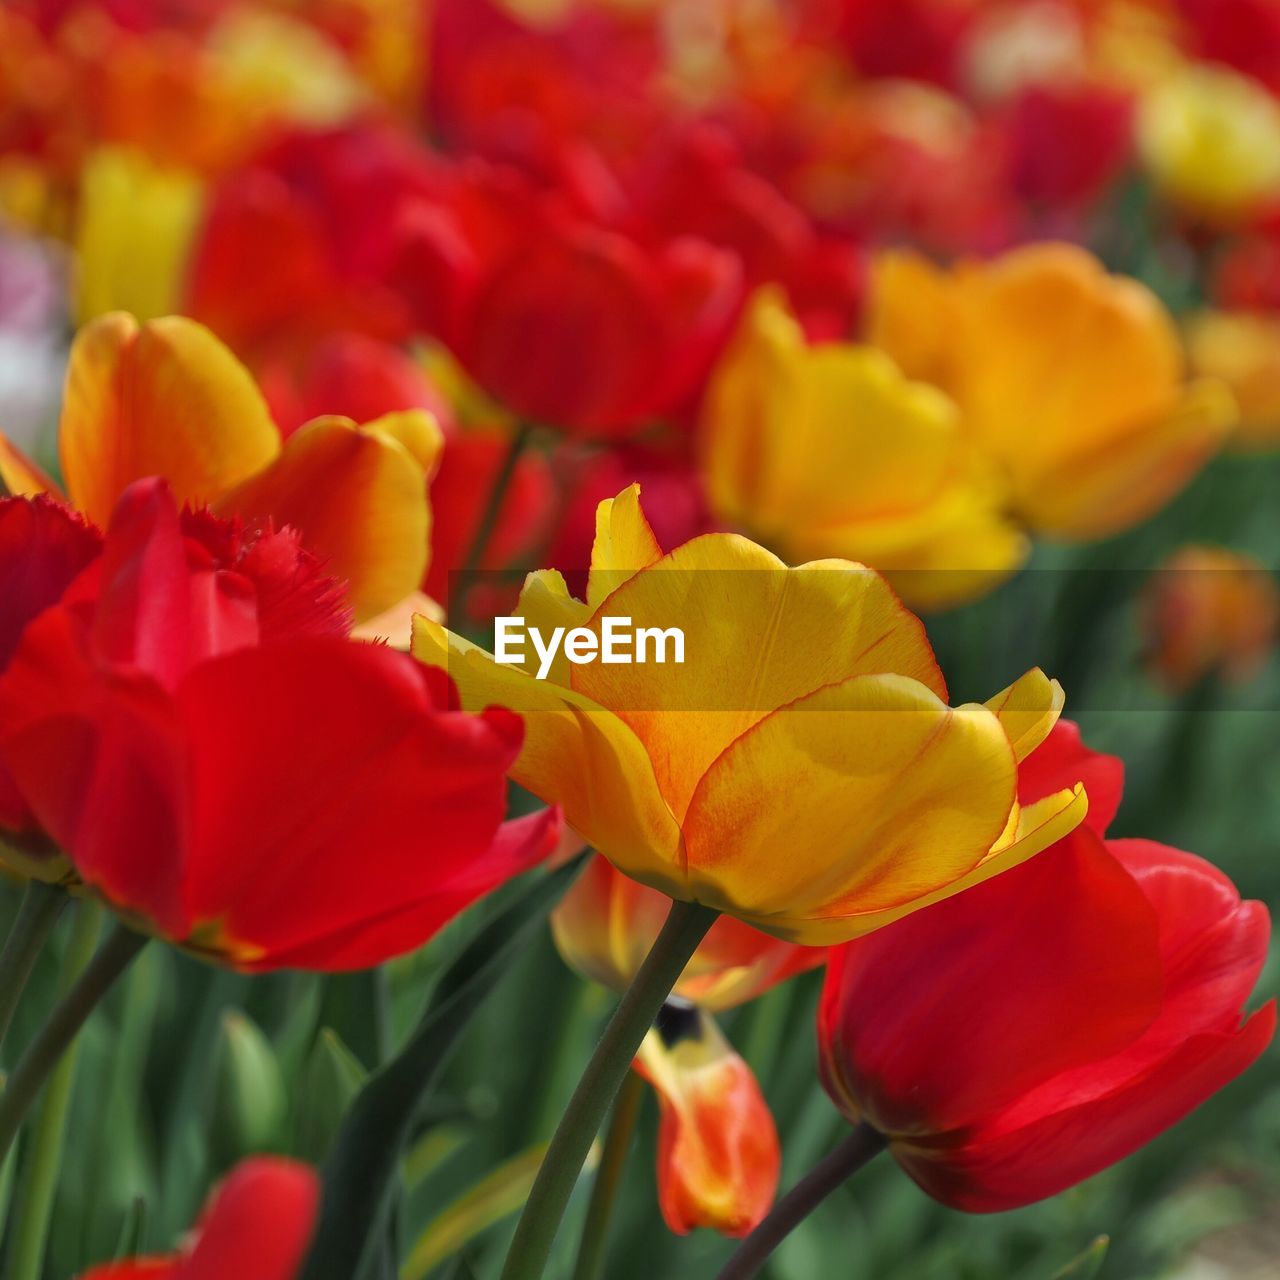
(249, 1099)
(361, 1169)
(1086, 1265)
(331, 1078)
(496, 1196)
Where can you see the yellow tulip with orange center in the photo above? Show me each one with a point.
(800, 770)
(830, 450)
(168, 399)
(1070, 381)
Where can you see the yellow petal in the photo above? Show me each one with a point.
(624, 544)
(756, 635)
(23, 477)
(576, 754)
(165, 399)
(865, 796)
(1103, 490)
(358, 496)
(910, 314)
(1028, 709)
(1031, 831)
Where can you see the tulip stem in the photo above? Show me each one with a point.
(43, 1157)
(492, 510)
(604, 1190)
(685, 927)
(832, 1171)
(45, 1051)
(42, 904)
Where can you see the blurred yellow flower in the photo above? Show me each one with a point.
(133, 237)
(1242, 348)
(801, 770)
(1211, 140)
(1072, 382)
(829, 450)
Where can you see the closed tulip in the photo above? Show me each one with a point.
(1016, 1039)
(829, 450)
(800, 769)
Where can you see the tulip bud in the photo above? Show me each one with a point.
(1209, 610)
(718, 1151)
(331, 1077)
(249, 1101)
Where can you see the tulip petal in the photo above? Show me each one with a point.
(358, 496)
(902, 795)
(624, 544)
(756, 636)
(164, 399)
(1093, 493)
(992, 1173)
(379, 765)
(22, 477)
(576, 754)
(1028, 709)
(718, 1153)
(1061, 761)
(929, 1057)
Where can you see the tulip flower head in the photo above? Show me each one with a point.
(1133, 964)
(718, 1152)
(256, 1226)
(1072, 382)
(168, 399)
(1206, 610)
(801, 770)
(192, 728)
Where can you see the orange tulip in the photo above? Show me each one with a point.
(1210, 609)
(1072, 381)
(168, 399)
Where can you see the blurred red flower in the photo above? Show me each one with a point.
(194, 731)
(256, 1226)
(1018, 1038)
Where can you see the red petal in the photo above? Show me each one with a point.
(44, 545)
(330, 792)
(953, 1013)
(992, 1173)
(1061, 761)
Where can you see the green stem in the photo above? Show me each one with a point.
(492, 511)
(45, 1051)
(44, 1159)
(617, 1143)
(42, 904)
(685, 927)
(834, 1169)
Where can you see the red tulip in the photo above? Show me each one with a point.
(1245, 34)
(192, 728)
(256, 1226)
(1022, 1036)
(44, 546)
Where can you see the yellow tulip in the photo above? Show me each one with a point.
(168, 399)
(1242, 348)
(1211, 140)
(1070, 381)
(829, 450)
(801, 770)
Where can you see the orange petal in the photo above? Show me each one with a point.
(164, 399)
(358, 496)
